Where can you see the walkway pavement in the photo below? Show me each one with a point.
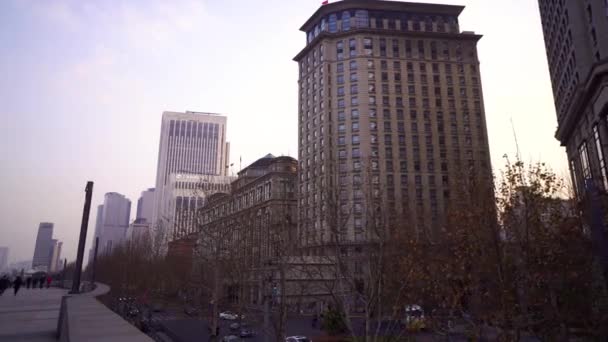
(31, 315)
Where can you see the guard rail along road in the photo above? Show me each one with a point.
(83, 318)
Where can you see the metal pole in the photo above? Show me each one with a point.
(65, 264)
(94, 260)
(83, 236)
(266, 317)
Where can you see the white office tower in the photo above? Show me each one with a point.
(191, 143)
(112, 222)
(145, 206)
(54, 265)
(43, 251)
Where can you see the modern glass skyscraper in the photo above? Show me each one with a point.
(43, 251)
(391, 118)
(190, 143)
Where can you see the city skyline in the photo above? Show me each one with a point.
(119, 152)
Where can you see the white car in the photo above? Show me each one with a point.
(230, 316)
(231, 338)
(297, 339)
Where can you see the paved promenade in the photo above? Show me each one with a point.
(31, 315)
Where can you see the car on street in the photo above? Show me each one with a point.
(230, 316)
(230, 338)
(191, 311)
(234, 326)
(414, 318)
(297, 339)
(247, 333)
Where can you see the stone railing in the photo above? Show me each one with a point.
(84, 318)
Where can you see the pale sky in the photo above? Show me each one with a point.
(83, 85)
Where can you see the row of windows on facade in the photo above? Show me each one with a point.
(354, 19)
(203, 186)
(411, 48)
(250, 198)
(411, 67)
(313, 158)
(310, 135)
(582, 158)
(313, 170)
(396, 76)
(356, 208)
(400, 135)
(398, 46)
(193, 129)
(309, 85)
(312, 162)
(412, 90)
(387, 115)
(412, 102)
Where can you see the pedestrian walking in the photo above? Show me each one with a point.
(41, 282)
(17, 284)
(28, 282)
(4, 283)
(49, 279)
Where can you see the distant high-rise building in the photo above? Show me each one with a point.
(190, 143)
(3, 258)
(576, 41)
(43, 251)
(391, 118)
(145, 206)
(56, 256)
(112, 222)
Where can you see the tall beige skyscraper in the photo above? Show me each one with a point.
(576, 40)
(391, 116)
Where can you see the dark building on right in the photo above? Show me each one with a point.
(576, 40)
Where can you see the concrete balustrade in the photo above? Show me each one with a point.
(83, 318)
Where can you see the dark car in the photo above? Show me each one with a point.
(247, 333)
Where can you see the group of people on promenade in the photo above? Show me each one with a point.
(30, 282)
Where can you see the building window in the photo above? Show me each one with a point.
(352, 47)
(340, 67)
(574, 176)
(382, 47)
(368, 47)
(333, 23)
(600, 156)
(353, 65)
(340, 49)
(354, 114)
(361, 18)
(345, 21)
(585, 161)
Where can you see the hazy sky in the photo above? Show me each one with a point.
(83, 85)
